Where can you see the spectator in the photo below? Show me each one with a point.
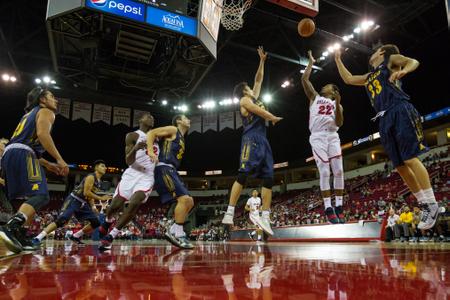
(406, 221)
(392, 228)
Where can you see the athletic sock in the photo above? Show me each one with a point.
(253, 232)
(230, 210)
(429, 196)
(339, 200)
(41, 235)
(327, 202)
(177, 230)
(420, 196)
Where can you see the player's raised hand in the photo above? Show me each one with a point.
(337, 97)
(397, 75)
(312, 60)
(275, 120)
(105, 198)
(262, 54)
(337, 54)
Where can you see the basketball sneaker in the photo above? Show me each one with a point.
(228, 219)
(264, 223)
(180, 242)
(8, 235)
(340, 214)
(430, 213)
(105, 243)
(331, 216)
(76, 240)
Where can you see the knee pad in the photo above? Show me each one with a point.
(60, 222)
(268, 183)
(38, 201)
(242, 178)
(94, 223)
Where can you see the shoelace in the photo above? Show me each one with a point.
(426, 211)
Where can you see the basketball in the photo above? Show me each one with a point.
(306, 27)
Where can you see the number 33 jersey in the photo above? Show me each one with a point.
(322, 115)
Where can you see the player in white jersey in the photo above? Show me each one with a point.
(253, 206)
(136, 184)
(326, 116)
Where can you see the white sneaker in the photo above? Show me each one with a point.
(228, 219)
(430, 213)
(264, 223)
(255, 218)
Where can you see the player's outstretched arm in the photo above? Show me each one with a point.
(407, 65)
(161, 132)
(307, 85)
(259, 77)
(248, 104)
(44, 123)
(346, 76)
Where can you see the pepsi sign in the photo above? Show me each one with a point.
(171, 21)
(122, 8)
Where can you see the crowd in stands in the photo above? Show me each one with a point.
(372, 197)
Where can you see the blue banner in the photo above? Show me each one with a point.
(437, 114)
(171, 21)
(122, 8)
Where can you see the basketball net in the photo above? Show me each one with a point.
(233, 12)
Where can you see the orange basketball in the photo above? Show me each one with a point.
(306, 27)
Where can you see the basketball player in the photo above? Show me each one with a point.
(253, 206)
(167, 181)
(23, 165)
(136, 184)
(325, 118)
(400, 125)
(256, 155)
(81, 203)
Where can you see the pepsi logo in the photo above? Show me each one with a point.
(99, 2)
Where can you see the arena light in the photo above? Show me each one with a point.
(235, 100)
(336, 46)
(330, 49)
(164, 102)
(210, 104)
(325, 54)
(267, 98)
(183, 108)
(38, 80)
(366, 24)
(5, 77)
(286, 84)
(52, 81)
(46, 79)
(199, 106)
(12, 79)
(302, 71)
(357, 30)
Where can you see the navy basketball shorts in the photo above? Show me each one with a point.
(401, 133)
(256, 156)
(24, 176)
(168, 184)
(73, 207)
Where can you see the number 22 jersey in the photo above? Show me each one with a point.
(322, 115)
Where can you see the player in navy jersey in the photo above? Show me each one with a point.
(23, 165)
(168, 184)
(81, 204)
(256, 155)
(399, 122)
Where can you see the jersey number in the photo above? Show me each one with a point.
(20, 127)
(374, 88)
(325, 110)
